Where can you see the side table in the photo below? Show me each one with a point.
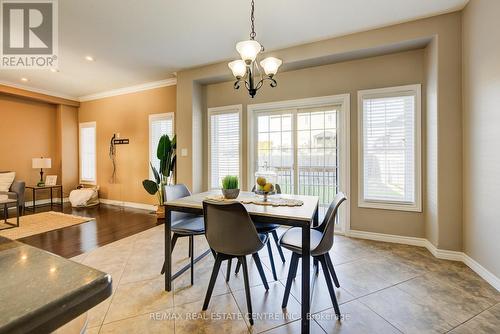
(34, 189)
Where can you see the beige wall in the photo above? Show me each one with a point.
(347, 77)
(481, 99)
(28, 129)
(445, 30)
(67, 126)
(128, 115)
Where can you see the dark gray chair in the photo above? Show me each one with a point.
(321, 243)
(16, 192)
(183, 224)
(267, 229)
(231, 234)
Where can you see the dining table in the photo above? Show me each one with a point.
(304, 216)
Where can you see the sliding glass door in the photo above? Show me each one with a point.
(301, 145)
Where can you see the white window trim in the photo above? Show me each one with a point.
(344, 141)
(392, 91)
(153, 117)
(224, 110)
(80, 126)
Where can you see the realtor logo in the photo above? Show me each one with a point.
(29, 34)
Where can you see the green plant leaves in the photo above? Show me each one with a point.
(150, 186)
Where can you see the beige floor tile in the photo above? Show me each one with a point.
(137, 298)
(140, 267)
(294, 327)
(320, 296)
(460, 303)
(146, 323)
(356, 319)
(236, 281)
(97, 313)
(266, 307)
(409, 314)
(185, 293)
(222, 316)
(93, 330)
(487, 322)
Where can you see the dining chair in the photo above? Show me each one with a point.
(183, 224)
(321, 243)
(231, 233)
(265, 228)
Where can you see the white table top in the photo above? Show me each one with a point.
(304, 212)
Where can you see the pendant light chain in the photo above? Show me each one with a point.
(252, 19)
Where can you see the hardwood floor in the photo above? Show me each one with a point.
(111, 223)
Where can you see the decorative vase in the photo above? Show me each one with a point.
(160, 212)
(230, 193)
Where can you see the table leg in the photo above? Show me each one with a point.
(51, 196)
(306, 277)
(34, 200)
(315, 224)
(5, 213)
(168, 250)
(62, 200)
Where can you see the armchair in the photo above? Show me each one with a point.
(16, 192)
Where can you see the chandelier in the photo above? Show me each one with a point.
(245, 69)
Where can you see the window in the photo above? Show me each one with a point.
(224, 136)
(88, 152)
(159, 125)
(389, 148)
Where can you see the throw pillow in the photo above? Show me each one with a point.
(6, 180)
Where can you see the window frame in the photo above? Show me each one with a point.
(154, 117)
(80, 127)
(230, 109)
(406, 90)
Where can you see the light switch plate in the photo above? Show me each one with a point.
(184, 152)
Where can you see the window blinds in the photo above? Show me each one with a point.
(389, 149)
(88, 152)
(159, 126)
(224, 146)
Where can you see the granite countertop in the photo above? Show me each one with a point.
(41, 291)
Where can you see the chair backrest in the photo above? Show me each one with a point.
(328, 225)
(229, 229)
(276, 187)
(174, 192)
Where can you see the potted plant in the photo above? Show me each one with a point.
(230, 188)
(164, 176)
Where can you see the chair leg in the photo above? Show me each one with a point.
(211, 284)
(174, 240)
(191, 256)
(238, 266)
(291, 275)
(322, 260)
(228, 273)
(260, 269)
(332, 270)
(243, 261)
(277, 242)
(271, 259)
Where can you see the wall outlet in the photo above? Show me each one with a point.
(184, 152)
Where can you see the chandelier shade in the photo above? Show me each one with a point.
(248, 50)
(271, 65)
(238, 67)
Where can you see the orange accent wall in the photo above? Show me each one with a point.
(128, 115)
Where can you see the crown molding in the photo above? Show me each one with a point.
(128, 90)
(39, 91)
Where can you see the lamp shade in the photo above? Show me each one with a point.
(41, 163)
(238, 67)
(271, 65)
(248, 50)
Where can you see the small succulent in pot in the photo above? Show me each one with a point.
(230, 188)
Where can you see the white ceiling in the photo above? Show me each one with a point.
(139, 41)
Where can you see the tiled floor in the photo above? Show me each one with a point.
(385, 288)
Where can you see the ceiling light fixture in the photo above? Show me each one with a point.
(54, 70)
(89, 58)
(24, 79)
(244, 69)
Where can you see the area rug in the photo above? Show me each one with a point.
(39, 223)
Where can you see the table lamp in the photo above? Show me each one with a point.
(41, 163)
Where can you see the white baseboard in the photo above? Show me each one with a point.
(438, 253)
(128, 204)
